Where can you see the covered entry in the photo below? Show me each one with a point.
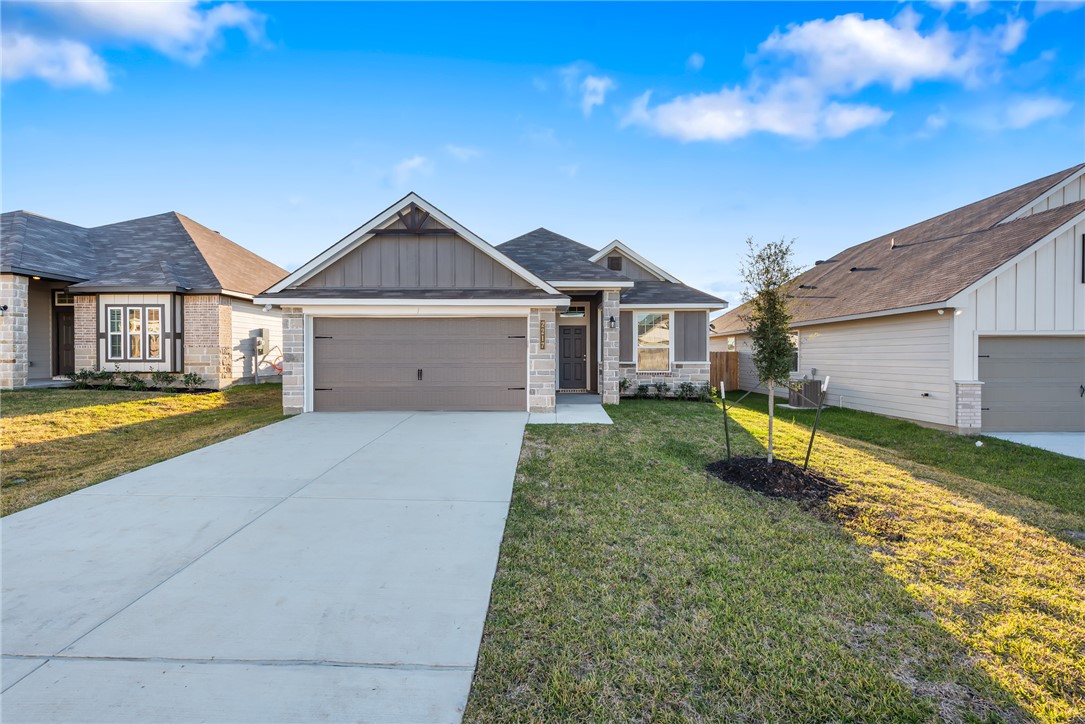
(1032, 384)
(419, 364)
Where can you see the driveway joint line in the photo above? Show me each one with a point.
(219, 543)
(407, 665)
(43, 663)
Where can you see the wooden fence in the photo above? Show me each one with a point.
(724, 369)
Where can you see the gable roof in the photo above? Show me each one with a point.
(923, 264)
(165, 251)
(386, 218)
(558, 258)
(634, 256)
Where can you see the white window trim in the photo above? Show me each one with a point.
(126, 337)
(670, 342)
(110, 333)
(128, 334)
(57, 293)
(147, 334)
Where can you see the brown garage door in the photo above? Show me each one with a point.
(1033, 384)
(419, 364)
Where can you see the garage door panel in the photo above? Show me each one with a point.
(466, 364)
(1032, 384)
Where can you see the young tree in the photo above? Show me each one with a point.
(767, 272)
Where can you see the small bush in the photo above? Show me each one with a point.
(135, 382)
(623, 385)
(163, 380)
(662, 388)
(106, 379)
(192, 380)
(687, 390)
(81, 378)
(642, 391)
(706, 392)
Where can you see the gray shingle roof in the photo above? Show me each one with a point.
(926, 263)
(156, 252)
(554, 257)
(649, 292)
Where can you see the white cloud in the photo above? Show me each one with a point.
(1023, 112)
(695, 62)
(63, 63)
(934, 124)
(185, 31)
(1057, 6)
(463, 153)
(410, 168)
(804, 75)
(590, 89)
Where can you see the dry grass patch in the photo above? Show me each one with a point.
(60, 440)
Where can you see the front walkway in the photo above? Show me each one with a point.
(573, 408)
(331, 567)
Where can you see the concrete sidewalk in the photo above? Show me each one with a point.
(332, 567)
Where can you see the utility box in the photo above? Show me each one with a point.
(804, 393)
(260, 339)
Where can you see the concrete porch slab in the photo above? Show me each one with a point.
(1071, 444)
(572, 414)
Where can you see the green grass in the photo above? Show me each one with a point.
(56, 441)
(1055, 479)
(632, 586)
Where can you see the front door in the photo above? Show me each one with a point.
(64, 338)
(573, 358)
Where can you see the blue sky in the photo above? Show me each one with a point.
(680, 129)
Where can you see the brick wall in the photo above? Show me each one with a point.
(969, 405)
(14, 353)
(611, 351)
(86, 333)
(542, 363)
(207, 338)
(293, 360)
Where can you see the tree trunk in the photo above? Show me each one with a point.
(772, 401)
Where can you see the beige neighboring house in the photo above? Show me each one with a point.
(161, 293)
(973, 320)
(413, 311)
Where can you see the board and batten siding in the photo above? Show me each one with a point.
(246, 319)
(416, 262)
(1067, 193)
(898, 365)
(1042, 292)
(630, 268)
(116, 300)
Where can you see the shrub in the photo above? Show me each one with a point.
(135, 382)
(706, 392)
(163, 380)
(623, 385)
(192, 380)
(687, 390)
(662, 388)
(81, 378)
(106, 379)
(642, 391)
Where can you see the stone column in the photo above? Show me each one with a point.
(969, 407)
(610, 347)
(293, 360)
(542, 362)
(14, 355)
(86, 333)
(208, 338)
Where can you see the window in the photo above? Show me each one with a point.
(574, 311)
(614, 263)
(116, 338)
(730, 344)
(794, 338)
(134, 333)
(61, 298)
(654, 342)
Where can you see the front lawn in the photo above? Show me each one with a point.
(633, 586)
(55, 441)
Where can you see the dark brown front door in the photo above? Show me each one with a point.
(64, 339)
(573, 358)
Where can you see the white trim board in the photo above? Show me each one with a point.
(362, 234)
(344, 302)
(599, 286)
(634, 256)
(683, 307)
(1061, 184)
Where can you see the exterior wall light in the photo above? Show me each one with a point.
(611, 323)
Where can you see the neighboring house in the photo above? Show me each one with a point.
(972, 320)
(414, 311)
(161, 293)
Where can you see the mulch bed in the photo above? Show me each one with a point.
(779, 480)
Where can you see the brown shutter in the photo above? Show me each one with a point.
(691, 336)
(625, 337)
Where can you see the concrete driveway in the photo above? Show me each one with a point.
(1063, 443)
(331, 567)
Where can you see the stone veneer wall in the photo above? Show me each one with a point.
(696, 372)
(86, 332)
(969, 407)
(14, 353)
(542, 363)
(293, 360)
(611, 349)
(207, 338)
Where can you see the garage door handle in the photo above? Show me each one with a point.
(517, 388)
(323, 337)
(1082, 391)
(323, 389)
(419, 375)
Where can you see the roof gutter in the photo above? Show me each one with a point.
(344, 302)
(28, 272)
